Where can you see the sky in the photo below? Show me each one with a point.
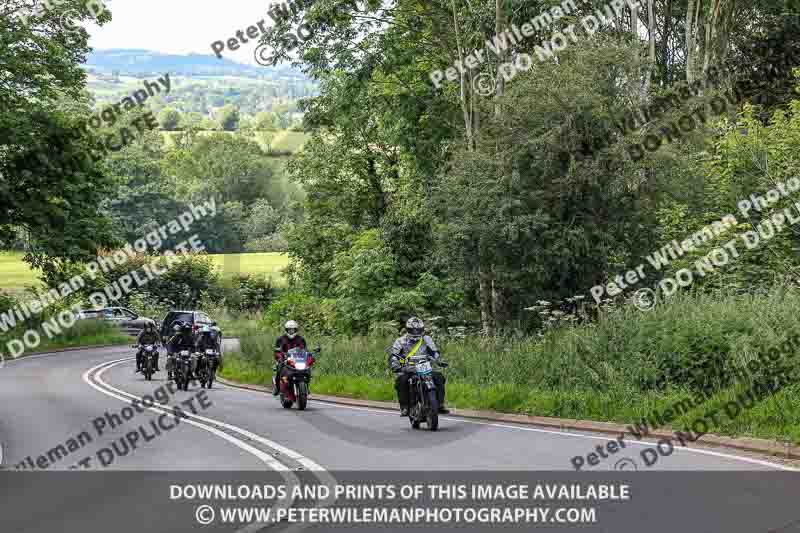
(179, 26)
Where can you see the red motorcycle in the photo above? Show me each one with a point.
(296, 377)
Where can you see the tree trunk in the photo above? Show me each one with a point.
(690, 21)
(651, 51)
(466, 92)
(665, 48)
(486, 284)
(500, 305)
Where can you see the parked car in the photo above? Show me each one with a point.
(197, 319)
(127, 320)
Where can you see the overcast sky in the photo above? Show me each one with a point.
(179, 26)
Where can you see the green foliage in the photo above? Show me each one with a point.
(619, 369)
(228, 118)
(170, 119)
(260, 227)
(265, 121)
(248, 293)
(316, 316)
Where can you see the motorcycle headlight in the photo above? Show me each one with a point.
(209, 352)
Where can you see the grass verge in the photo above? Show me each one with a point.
(621, 369)
(86, 333)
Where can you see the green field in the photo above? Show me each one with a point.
(269, 264)
(15, 274)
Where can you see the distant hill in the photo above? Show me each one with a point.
(132, 62)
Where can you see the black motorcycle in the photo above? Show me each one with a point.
(182, 371)
(207, 367)
(296, 377)
(423, 401)
(150, 354)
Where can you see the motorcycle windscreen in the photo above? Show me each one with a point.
(300, 360)
(423, 368)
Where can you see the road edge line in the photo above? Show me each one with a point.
(762, 446)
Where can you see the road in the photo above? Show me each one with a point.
(47, 400)
(69, 400)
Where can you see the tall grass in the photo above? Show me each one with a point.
(618, 369)
(82, 333)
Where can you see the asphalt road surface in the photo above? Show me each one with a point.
(57, 413)
(48, 400)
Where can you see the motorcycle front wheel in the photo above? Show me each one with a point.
(302, 395)
(433, 413)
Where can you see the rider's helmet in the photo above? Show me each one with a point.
(415, 328)
(291, 328)
(149, 326)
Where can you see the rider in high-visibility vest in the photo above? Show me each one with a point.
(414, 342)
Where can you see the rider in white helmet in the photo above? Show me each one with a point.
(417, 342)
(284, 343)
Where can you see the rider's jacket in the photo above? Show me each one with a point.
(147, 337)
(206, 342)
(405, 344)
(283, 344)
(179, 341)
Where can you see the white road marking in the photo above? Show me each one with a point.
(306, 462)
(491, 424)
(289, 476)
(266, 458)
(576, 435)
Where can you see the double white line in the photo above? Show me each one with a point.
(93, 378)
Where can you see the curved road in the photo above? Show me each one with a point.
(57, 413)
(47, 400)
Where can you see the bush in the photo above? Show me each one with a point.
(249, 293)
(620, 368)
(316, 316)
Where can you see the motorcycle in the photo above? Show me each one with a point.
(182, 371)
(150, 353)
(295, 377)
(423, 401)
(207, 367)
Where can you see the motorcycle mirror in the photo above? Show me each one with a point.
(318, 349)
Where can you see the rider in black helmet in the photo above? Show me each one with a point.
(417, 343)
(147, 336)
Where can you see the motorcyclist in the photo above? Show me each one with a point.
(414, 342)
(283, 344)
(147, 336)
(209, 340)
(182, 340)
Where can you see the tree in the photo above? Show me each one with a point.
(50, 182)
(265, 121)
(169, 118)
(228, 118)
(230, 168)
